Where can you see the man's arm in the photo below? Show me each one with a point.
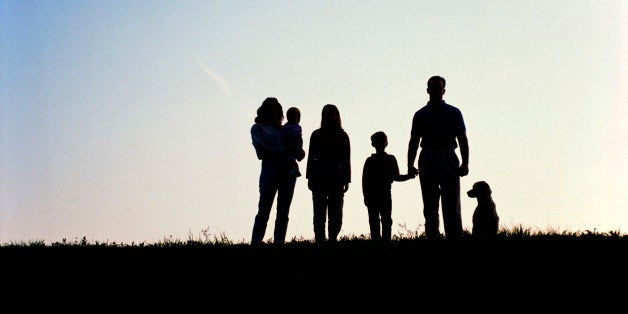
(463, 142)
(413, 146)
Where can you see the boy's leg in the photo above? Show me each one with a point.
(387, 219)
(374, 221)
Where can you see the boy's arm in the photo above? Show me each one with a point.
(395, 168)
(403, 177)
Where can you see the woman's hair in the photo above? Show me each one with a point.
(265, 112)
(330, 117)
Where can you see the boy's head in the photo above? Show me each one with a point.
(294, 115)
(379, 140)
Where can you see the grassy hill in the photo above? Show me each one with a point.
(516, 271)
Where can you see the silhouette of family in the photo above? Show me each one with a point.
(437, 127)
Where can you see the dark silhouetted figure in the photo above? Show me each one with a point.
(379, 172)
(485, 218)
(274, 178)
(292, 137)
(436, 127)
(328, 173)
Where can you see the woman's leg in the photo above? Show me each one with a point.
(319, 200)
(336, 202)
(284, 199)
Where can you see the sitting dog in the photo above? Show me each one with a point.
(485, 218)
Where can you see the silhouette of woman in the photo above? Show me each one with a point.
(275, 178)
(329, 173)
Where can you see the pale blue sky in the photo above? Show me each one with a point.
(128, 121)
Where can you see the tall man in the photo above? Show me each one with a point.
(439, 129)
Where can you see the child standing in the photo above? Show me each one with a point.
(380, 171)
(292, 137)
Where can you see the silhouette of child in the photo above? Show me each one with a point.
(292, 137)
(380, 171)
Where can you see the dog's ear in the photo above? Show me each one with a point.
(482, 186)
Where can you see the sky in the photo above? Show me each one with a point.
(129, 121)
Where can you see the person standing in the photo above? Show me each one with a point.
(274, 179)
(328, 172)
(380, 171)
(439, 129)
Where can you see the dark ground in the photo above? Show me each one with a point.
(531, 275)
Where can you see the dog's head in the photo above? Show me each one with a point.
(480, 189)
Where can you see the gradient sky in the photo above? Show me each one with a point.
(129, 121)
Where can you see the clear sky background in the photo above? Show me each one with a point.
(129, 121)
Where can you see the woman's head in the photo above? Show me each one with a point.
(270, 112)
(330, 117)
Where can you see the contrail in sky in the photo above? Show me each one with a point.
(219, 80)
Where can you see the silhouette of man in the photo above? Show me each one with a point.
(436, 127)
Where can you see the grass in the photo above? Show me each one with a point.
(206, 238)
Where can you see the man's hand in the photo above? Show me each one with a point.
(463, 170)
(412, 172)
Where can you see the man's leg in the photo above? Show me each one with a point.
(452, 218)
(450, 186)
(430, 190)
(431, 194)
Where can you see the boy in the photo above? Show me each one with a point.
(380, 171)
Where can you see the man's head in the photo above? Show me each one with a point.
(436, 87)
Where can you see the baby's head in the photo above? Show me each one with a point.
(294, 115)
(379, 140)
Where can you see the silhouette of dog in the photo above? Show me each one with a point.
(485, 218)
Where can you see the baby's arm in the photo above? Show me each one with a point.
(299, 144)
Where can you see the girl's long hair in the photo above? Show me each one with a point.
(327, 117)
